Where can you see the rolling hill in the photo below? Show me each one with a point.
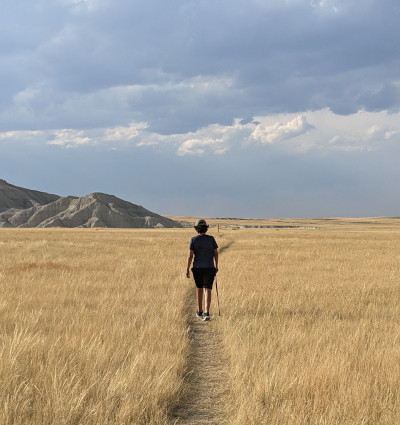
(20, 207)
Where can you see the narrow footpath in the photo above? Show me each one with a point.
(206, 385)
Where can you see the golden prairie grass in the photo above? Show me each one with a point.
(93, 325)
(312, 326)
(336, 223)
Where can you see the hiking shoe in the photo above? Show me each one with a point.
(206, 316)
(199, 314)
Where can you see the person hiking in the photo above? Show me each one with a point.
(204, 249)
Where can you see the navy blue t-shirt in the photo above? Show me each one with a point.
(203, 247)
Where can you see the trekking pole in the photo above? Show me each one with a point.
(216, 290)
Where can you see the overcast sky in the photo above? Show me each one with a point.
(235, 108)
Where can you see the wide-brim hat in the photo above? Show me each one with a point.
(200, 222)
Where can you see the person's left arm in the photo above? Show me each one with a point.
(189, 262)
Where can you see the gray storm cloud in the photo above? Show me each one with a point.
(293, 105)
(182, 65)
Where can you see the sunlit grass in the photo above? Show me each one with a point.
(312, 325)
(93, 324)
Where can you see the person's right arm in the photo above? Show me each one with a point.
(216, 259)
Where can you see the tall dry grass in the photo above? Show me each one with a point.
(92, 326)
(312, 326)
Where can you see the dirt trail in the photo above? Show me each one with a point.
(206, 383)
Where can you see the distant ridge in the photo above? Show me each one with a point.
(20, 207)
(18, 197)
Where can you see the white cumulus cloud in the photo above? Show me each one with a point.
(279, 131)
(200, 146)
(70, 138)
(321, 131)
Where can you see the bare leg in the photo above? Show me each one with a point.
(207, 300)
(199, 297)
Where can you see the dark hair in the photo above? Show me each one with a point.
(201, 229)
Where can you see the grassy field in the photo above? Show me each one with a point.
(312, 326)
(94, 324)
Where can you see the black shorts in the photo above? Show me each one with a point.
(204, 277)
